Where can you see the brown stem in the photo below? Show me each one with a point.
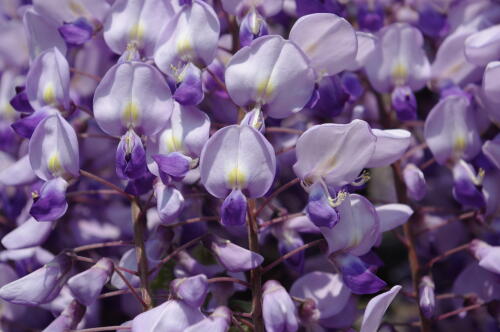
(284, 130)
(103, 245)
(446, 254)
(256, 273)
(92, 76)
(276, 193)
(139, 225)
(280, 219)
(116, 293)
(192, 221)
(176, 251)
(229, 279)
(293, 252)
(106, 183)
(415, 269)
(459, 311)
(93, 192)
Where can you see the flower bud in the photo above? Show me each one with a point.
(169, 203)
(31, 233)
(189, 89)
(87, 285)
(77, 32)
(357, 275)
(278, 309)
(371, 16)
(191, 290)
(50, 203)
(416, 187)
(68, 319)
(40, 286)
(319, 210)
(427, 301)
(404, 103)
(234, 209)
(130, 156)
(218, 321)
(465, 185)
(252, 26)
(233, 257)
(174, 166)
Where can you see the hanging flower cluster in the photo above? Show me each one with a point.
(249, 165)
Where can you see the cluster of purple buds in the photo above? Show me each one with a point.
(249, 165)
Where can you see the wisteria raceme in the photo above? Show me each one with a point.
(249, 165)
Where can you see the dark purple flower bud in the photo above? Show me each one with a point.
(173, 165)
(218, 321)
(76, 33)
(371, 16)
(233, 257)
(404, 103)
(332, 96)
(87, 285)
(431, 22)
(50, 203)
(20, 101)
(234, 209)
(252, 26)
(40, 286)
(319, 210)
(191, 290)
(288, 241)
(465, 185)
(141, 185)
(278, 309)
(26, 126)
(352, 85)
(190, 89)
(416, 186)
(29, 234)
(68, 319)
(130, 157)
(356, 275)
(427, 301)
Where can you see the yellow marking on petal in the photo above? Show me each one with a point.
(137, 32)
(9, 112)
(459, 144)
(76, 8)
(54, 164)
(184, 47)
(49, 95)
(400, 74)
(236, 178)
(131, 113)
(173, 143)
(265, 89)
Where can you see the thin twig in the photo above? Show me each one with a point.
(280, 219)
(276, 193)
(293, 252)
(444, 255)
(103, 245)
(106, 183)
(229, 279)
(92, 76)
(192, 221)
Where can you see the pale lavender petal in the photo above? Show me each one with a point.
(172, 316)
(87, 285)
(483, 47)
(237, 157)
(18, 174)
(191, 290)
(42, 33)
(266, 71)
(329, 41)
(450, 130)
(323, 151)
(53, 149)
(31, 233)
(132, 94)
(326, 289)
(190, 36)
(393, 215)
(391, 144)
(218, 321)
(235, 258)
(376, 309)
(170, 203)
(278, 309)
